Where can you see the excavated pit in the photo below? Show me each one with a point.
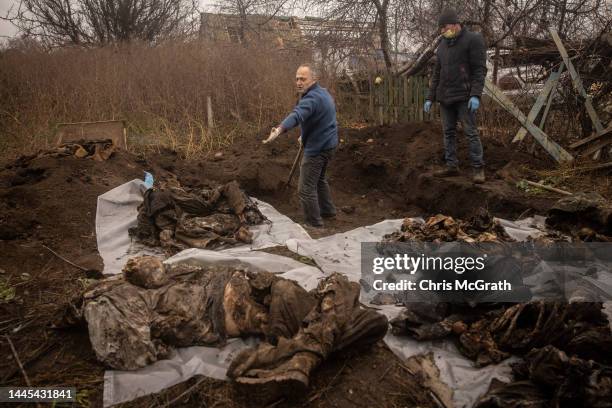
(382, 172)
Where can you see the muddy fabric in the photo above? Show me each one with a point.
(289, 304)
(478, 343)
(528, 325)
(490, 333)
(118, 316)
(337, 321)
(523, 327)
(178, 218)
(424, 321)
(548, 377)
(131, 326)
(588, 343)
(520, 394)
(434, 321)
(137, 318)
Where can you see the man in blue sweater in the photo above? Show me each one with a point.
(315, 113)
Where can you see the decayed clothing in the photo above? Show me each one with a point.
(335, 322)
(549, 377)
(180, 218)
(136, 318)
(488, 333)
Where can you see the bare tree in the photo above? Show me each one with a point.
(376, 13)
(244, 8)
(82, 22)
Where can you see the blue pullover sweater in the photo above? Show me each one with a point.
(316, 115)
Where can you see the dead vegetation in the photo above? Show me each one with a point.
(161, 92)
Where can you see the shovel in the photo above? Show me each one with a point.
(295, 162)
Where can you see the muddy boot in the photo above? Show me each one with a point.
(448, 171)
(479, 176)
(295, 372)
(268, 372)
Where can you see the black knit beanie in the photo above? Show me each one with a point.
(448, 16)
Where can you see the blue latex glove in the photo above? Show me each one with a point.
(148, 180)
(473, 104)
(427, 106)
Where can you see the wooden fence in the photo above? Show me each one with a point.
(392, 100)
(400, 99)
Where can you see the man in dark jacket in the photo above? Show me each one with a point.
(315, 113)
(457, 84)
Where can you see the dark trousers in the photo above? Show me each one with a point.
(450, 115)
(313, 191)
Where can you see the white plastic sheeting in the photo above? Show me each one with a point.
(117, 210)
(342, 253)
(115, 214)
(337, 253)
(121, 386)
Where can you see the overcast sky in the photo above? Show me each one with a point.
(8, 30)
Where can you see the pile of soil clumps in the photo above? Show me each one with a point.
(99, 150)
(178, 218)
(482, 227)
(587, 216)
(48, 203)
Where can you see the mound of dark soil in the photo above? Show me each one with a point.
(381, 172)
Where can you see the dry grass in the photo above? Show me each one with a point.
(497, 122)
(580, 176)
(161, 91)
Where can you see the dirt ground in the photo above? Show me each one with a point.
(47, 212)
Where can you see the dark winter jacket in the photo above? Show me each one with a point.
(460, 68)
(316, 115)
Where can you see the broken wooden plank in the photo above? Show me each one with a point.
(554, 149)
(548, 104)
(545, 187)
(545, 95)
(576, 81)
(414, 67)
(586, 169)
(602, 166)
(589, 139)
(596, 146)
(102, 129)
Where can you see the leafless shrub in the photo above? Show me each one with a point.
(86, 22)
(161, 91)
